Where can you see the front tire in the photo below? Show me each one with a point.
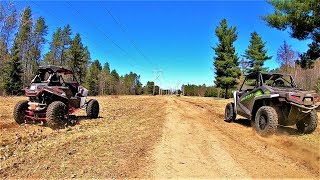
(266, 121)
(229, 113)
(56, 115)
(19, 111)
(308, 124)
(93, 109)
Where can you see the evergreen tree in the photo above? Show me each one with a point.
(148, 88)
(92, 79)
(12, 74)
(53, 56)
(132, 84)
(79, 58)
(226, 60)
(114, 80)
(23, 39)
(38, 40)
(256, 54)
(65, 42)
(104, 83)
(303, 18)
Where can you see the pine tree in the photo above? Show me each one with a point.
(148, 88)
(226, 60)
(114, 80)
(12, 74)
(23, 39)
(256, 54)
(38, 40)
(303, 19)
(53, 56)
(79, 58)
(104, 83)
(92, 79)
(65, 42)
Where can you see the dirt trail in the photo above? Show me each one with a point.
(196, 142)
(187, 149)
(154, 137)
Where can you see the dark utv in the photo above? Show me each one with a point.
(54, 94)
(271, 99)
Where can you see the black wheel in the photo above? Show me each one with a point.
(308, 124)
(19, 111)
(93, 109)
(266, 121)
(229, 113)
(56, 115)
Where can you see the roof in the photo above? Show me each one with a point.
(55, 69)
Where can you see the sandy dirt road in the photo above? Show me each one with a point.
(197, 143)
(154, 137)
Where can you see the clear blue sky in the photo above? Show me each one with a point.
(174, 36)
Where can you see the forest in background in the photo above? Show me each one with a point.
(21, 53)
(22, 39)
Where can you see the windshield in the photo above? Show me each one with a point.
(45, 77)
(279, 81)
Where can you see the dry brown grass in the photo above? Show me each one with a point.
(121, 142)
(116, 145)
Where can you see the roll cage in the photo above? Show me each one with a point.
(263, 78)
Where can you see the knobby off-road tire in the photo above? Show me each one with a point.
(19, 111)
(229, 113)
(266, 121)
(308, 124)
(93, 109)
(56, 115)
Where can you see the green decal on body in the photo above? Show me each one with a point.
(252, 95)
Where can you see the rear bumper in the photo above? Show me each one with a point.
(306, 109)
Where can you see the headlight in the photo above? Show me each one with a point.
(33, 87)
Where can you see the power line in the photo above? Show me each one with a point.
(134, 44)
(107, 37)
(97, 44)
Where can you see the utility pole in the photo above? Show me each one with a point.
(157, 74)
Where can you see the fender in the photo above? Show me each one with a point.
(235, 100)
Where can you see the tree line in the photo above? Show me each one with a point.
(21, 42)
(300, 17)
(303, 21)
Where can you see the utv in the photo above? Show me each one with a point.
(272, 99)
(54, 94)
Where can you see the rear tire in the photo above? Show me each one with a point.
(93, 109)
(56, 115)
(19, 111)
(266, 121)
(229, 113)
(308, 124)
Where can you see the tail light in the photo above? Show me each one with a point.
(316, 99)
(295, 98)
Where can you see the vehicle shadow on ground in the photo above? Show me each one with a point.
(282, 130)
(74, 120)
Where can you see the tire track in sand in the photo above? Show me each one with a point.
(187, 149)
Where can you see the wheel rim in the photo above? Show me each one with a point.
(61, 115)
(263, 122)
